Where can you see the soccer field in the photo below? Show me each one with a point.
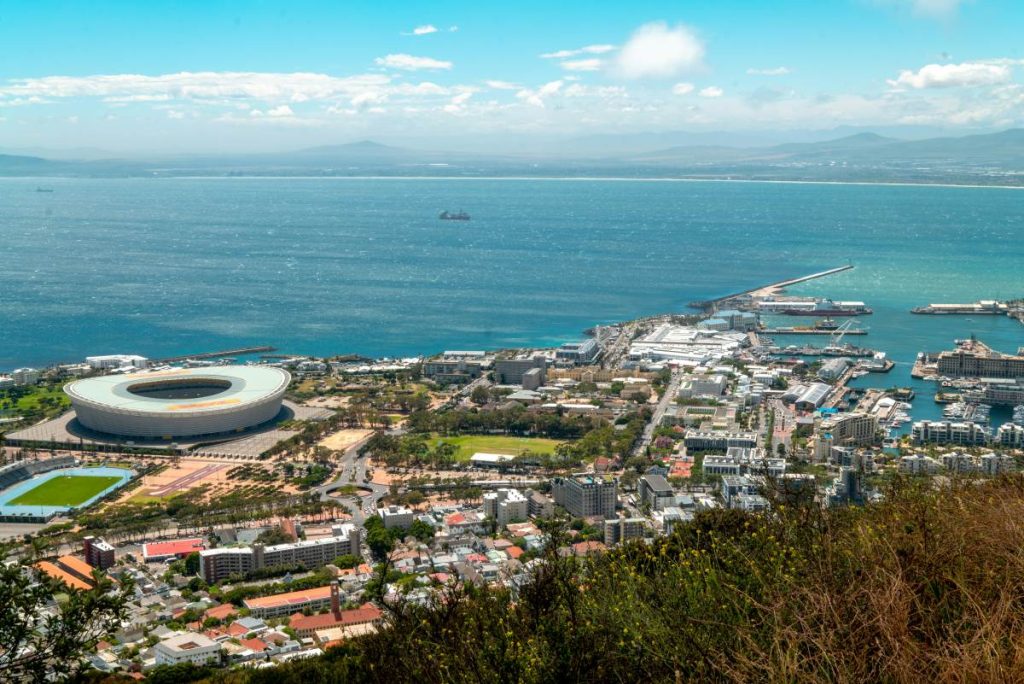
(65, 490)
(497, 444)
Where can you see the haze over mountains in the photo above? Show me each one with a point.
(994, 158)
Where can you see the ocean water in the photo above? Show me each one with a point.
(323, 266)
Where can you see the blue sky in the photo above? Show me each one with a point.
(219, 76)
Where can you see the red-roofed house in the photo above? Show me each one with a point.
(221, 612)
(514, 552)
(256, 645)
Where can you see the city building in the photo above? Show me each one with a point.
(619, 530)
(586, 495)
(919, 464)
(278, 605)
(701, 440)
(511, 371)
(505, 506)
(539, 505)
(306, 626)
(218, 564)
(1010, 435)
(98, 553)
(947, 432)
(113, 361)
(179, 548)
(655, 492)
(25, 376)
(578, 353)
(851, 429)
(190, 647)
(699, 386)
(456, 366)
(715, 464)
(396, 517)
(977, 361)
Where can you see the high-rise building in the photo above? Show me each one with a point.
(98, 553)
(586, 495)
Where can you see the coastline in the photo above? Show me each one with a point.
(589, 179)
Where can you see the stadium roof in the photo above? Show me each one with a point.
(231, 386)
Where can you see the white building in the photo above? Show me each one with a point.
(187, 648)
(918, 464)
(109, 361)
(505, 506)
(396, 517)
(25, 376)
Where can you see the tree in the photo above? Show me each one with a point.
(40, 647)
(780, 449)
(480, 395)
(348, 561)
(192, 563)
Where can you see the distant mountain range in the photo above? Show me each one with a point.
(995, 158)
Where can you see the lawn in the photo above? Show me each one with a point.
(65, 490)
(497, 444)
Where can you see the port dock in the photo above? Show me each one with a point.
(712, 305)
(808, 331)
(244, 351)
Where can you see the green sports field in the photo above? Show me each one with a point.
(65, 490)
(497, 444)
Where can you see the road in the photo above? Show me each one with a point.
(667, 397)
(352, 471)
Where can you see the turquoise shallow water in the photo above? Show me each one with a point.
(168, 266)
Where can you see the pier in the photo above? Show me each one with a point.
(809, 331)
(216, 354)
(711, 305)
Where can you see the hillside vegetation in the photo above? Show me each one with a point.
(927, 586)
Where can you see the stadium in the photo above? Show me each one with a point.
(181, 403)
(37, 491)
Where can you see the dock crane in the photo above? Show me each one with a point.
(836, 337)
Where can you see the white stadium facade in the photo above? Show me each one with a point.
(181, 403)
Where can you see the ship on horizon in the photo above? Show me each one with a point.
(454, 216)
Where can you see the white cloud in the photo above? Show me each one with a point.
(711, 91)
(174, 114)
(424, 30)
(163, 97)
(412, 63)
(953, 75)
(586, 50)
(282, 110)
(501, 85)
(453, 29)
(209, 86)
(939, 9)
(592, 64)
(657, 51)
(776, 71)
(682, 89)
(536, 97)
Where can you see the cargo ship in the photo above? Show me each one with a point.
(454, 216)
(823, 307)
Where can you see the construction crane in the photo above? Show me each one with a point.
(836, 337)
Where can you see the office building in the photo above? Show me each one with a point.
(511, 371)
(586, 495)
(655, 492)
(190, 647)
(976, 361)
(619, 530)
(98, 553)
(578, 353)
(396, 517)
(505, 506)
(218, 564)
